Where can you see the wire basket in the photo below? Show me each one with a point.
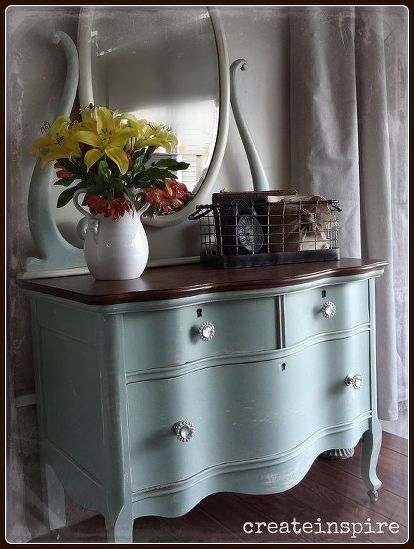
(245, 233)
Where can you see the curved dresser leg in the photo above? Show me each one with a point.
(370, 452)
(119, 529)
(55, 498)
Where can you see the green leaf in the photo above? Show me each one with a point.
(156, 173)
(172, 164)
(150, 212)
(118, 187)
(126, 177)
(130, 195)
(95, 190)
(171, 175)
(137, 167)
(148, 153)
(137, 153)
(94, 177)
(68, 165)
(65, 181)
(136, 182)
(103, 170)
(67, 195)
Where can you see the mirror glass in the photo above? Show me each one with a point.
(161, 64)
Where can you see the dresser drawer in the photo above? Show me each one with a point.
(157, 339)
(304, 314)
(245, 411)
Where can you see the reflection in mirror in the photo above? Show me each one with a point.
(161, 64)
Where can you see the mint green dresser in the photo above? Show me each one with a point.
(153, 393)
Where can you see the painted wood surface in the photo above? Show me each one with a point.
(331, 491)
(244, 414)
(259, 178)
(303, 316)
(266, 400)
(236, 332)
(54, 251)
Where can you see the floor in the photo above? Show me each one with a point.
(332, 491)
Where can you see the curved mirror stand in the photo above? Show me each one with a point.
(55, 253)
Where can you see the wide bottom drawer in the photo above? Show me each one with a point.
(244, 411)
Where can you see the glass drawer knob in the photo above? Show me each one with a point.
(354, 380)
(206, 331)
(329, 309)
(184, 430)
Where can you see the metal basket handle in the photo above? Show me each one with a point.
(200, 211)
(335, 206)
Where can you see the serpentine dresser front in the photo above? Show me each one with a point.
(153, 393)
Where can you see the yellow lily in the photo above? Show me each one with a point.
(148, 134)
(107, 136)
(157, 136)
(58, 142)
(88, 112)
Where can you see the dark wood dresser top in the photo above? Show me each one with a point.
(187, 280)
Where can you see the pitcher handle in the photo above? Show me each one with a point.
(143, 209)
(78, 206)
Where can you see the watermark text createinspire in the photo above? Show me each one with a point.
(351, 529)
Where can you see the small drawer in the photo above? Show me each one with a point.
(245, 411)
(309, 313)
(158, 339)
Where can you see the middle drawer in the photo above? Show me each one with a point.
(162, 338)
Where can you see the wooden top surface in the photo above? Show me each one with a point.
(188, 280)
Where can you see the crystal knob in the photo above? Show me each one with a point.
(184, 430)
(206, 331)
(354, 380)
(329, 309)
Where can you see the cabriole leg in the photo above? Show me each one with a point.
(119, 529)
(370, 452)
(55, 495)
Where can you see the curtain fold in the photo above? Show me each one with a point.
(349, 141)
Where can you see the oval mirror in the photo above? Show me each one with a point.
(167, 65)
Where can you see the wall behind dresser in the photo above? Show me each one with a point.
(36, 73)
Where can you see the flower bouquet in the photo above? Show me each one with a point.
(107, 157)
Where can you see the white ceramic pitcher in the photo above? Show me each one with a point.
(115, 249)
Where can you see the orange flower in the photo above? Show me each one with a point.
(176, 190)
(171, 196)
(159, 198)
(61, 171)
(115, 208)
(118, 207)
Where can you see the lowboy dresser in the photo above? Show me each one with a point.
(153, 393)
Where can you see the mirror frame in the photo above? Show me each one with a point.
(86, 97)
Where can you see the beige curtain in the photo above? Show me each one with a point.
(349, 141)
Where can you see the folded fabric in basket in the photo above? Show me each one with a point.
(302, 222)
